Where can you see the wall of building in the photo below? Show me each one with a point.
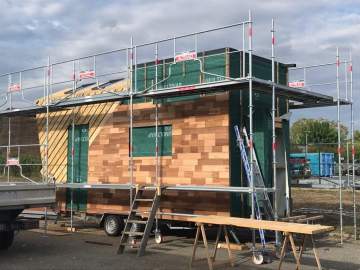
(200, 155)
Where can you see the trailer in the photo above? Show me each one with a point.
(16, 197)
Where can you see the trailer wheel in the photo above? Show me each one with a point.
(6, 239)
(258, 258)
(113, 225)
(261, 258)
(158, 237)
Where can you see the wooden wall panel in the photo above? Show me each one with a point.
(200, 156)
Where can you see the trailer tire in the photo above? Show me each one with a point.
(6, 239)
(158, 238)
(113, 225)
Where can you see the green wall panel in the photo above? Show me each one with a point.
(80, 165)
(144, 141)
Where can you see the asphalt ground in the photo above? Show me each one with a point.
(91, 249)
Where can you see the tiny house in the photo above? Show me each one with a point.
(197, 144)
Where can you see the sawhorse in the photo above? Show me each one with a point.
(211, 259)
(288, 237)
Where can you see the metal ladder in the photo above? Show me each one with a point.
(262, 201)
(262, 197)
(133, 219)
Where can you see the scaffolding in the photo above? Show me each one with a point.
(347, 81)
(299, 97)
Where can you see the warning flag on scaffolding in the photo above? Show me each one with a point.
(297, 84)
(185, 56)
(88, 74)
(13, 162)
(15, 87)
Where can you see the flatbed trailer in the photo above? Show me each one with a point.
(14, 198)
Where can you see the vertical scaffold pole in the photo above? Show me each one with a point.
(196, 43)
(47, 135)
(157, 180)
(72, 149)
(47, 121)
(243, 52)
(94, 68)
(339, 143)
(273, 112)
(347, 142)
(352, 143)
(174, 48)
(156, 118)
(251, 131)
(131, 121)
(9, 127)
(346, 80)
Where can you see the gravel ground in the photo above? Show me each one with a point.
(92, 249)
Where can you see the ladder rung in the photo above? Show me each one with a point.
(148, 188)
(134, 233)
(137, 245)
(137, 221)
(138, 211)
(144, 200)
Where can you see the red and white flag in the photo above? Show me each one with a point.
(12, 162)
(15, 87)
(297, 84)
(88, 74)
(185, 56)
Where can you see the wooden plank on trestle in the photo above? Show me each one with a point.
(264, 224)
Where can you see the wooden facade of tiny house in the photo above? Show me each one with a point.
(197, 144)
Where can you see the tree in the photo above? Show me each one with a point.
(321, 133)
(357, 143)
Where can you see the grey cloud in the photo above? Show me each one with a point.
(307, 31)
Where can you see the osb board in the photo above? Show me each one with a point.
(94, 115)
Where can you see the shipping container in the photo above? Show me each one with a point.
(321, 164)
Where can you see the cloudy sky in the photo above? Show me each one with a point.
(308, 32)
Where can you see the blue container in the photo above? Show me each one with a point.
(321, 164)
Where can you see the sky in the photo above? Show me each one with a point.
(307, 32)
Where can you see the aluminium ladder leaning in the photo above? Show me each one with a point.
(145, 224)
(263, 207)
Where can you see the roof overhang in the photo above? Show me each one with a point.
(299, 98)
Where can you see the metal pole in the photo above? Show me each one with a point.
(352, 144)
(47, 137)
(94, 68)
(131, 121)
(47, 122)
(174, 48)
(9, 128)
(196, 43)
(339, 144)
(135, 66)
(347, 165)
(156, 117)
(157, 128)
(273, 110)
(251, 131)
(72, 149)
(346, 81)
(306, 147)
(243, 53)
